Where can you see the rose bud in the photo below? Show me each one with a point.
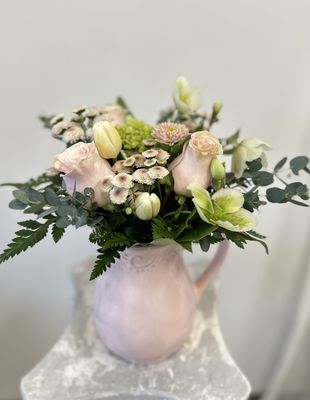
(217, 170)
(147, 206)
(107, 139)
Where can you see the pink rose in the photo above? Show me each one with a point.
(205, 143)
(193, 165)
(83, 167)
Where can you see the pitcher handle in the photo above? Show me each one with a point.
(218, 259)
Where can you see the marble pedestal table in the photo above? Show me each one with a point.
(79, 367)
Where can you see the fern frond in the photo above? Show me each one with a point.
(24, 239)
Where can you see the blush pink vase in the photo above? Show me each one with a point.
(145, 303)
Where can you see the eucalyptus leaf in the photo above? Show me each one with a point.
(78, 198)
(63, 222)
(204, 244)
(17, 205)
(298, 203)
(299, 163)
(34, 196)
(47, 212)
(89, 192)
(51, 197)
(295, 188)
(276, 195)
(21, 196)
(254, 166)
(67, 210)
(263, 178)
(280, 164)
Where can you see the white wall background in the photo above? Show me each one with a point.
(252, 55)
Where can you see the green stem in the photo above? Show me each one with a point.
(280, 179)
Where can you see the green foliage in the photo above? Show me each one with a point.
(216, 108)
(263, 178)
(241, 238)
(118, 240)
(25, 238)
(161, 229)
(276, 195)
(289, 193)
(57, 233)
(120, 101)
(279, 165)
(195, 234)
(252, 200)
(41, 179)
(233, 139)
(299, 163)
(103, 261)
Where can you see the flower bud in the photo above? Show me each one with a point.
(147, 206)
(107, 139)
(217, 107)
(186, 97)
(217, 170)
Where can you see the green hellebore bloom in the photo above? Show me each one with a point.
(224, 209)
(239, 221)
(228, 200)
(185, 96)
(248, 150)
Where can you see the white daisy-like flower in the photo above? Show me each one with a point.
(158, 172)
(139, 160)
(150, 162)
(59, 128)
(129, 162)
(141, 176)
(150, 153)
(120, 167)
(118, 195)
(149, 142)
(57, 118)
(107, 184)
(91, 113)
(79, 109)
(123, 180)
(162, 156)
(73, 134)
(89, 134)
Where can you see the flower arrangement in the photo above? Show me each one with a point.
(137, 184)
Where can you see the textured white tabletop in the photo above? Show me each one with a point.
(79, 367)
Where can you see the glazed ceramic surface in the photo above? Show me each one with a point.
(145, 303)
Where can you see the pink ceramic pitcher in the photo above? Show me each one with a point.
(145, 303)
